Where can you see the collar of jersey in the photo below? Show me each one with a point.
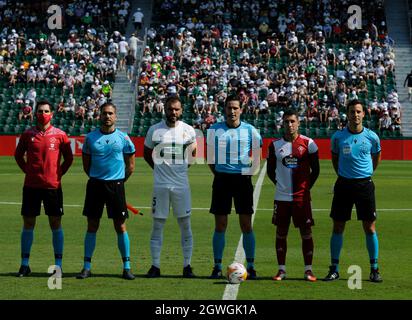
(47, 130)
(106, 133)
(240, 123)
(351, 132)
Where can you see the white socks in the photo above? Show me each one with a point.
(186, 239)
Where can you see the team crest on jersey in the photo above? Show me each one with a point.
(301, 149)
(346, 149)
(52, 143)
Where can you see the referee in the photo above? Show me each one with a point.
(230, 145)
(355, 156)
(108, 160)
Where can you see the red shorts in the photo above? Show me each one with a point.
(300, 211)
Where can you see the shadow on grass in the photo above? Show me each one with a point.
(98, 275)
(167, 276)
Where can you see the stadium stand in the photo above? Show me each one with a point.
(275, 55)
(73, 67)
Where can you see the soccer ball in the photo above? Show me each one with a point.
(236, 273)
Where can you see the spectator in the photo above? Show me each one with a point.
(123, 50)
(106, 89)
(31, 96)
(209, 119)
(408, 82)
(385, 123)
(333, 116)
(138, 17)
(26, 112)
(70, 106)
(130, 61)
(133, 44)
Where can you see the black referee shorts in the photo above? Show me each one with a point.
(33, 197)
(228, 186)
(109, 193)
(358, 192)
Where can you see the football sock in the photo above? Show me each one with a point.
(308, 267)
(336, 243)
(307, 250)
(373, 248)
(123, 244)
(58, 243)
(282, 267)
(156, 241)
(89, 245)
(249, 247)
(218, 247)
(186, 239)
(26, 242)
(281, 248)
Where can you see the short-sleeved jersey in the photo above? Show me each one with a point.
(232, 147)
(43, 151)
(107, 152)
(293, 168)
(169, 152)
(355, 152)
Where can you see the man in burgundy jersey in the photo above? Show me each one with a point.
(38, 155)
(293, 166)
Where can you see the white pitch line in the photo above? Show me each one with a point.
(231, 290)
(202, 209)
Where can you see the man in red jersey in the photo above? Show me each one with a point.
(293, 166)
(38, 155)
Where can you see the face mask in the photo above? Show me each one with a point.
(43, 118)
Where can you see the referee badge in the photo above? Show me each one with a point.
(346, 149)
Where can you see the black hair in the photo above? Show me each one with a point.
(290, 112)
(108, 104)
(232, 98)
(172, 99)
(43, 102)
(354, 103)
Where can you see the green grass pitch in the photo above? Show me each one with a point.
(394, 202)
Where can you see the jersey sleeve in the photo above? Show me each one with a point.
(334, 144)
(22, 145)
(128, 147)
(86, 145)
(210, 136)
(67, 152)
(148, 141)
(256, 138)
(192, 135)
(271, 150)
(65, 146)
(312, 146)
(376, 143)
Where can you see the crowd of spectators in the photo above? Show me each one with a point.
(75, 67)
(275, 55)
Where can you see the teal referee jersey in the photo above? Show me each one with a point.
(106, 151)
(355, 152)
(232, 147)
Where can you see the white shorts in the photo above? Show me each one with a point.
(410, 90)
(179, 198)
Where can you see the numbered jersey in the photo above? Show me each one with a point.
(293, 168)
(169, 152)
